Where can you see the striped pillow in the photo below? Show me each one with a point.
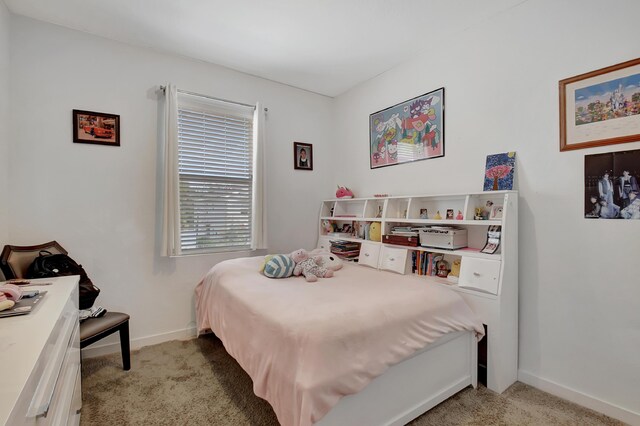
(278, 266)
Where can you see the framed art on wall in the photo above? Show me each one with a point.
(302, 156)
(409, 131)
(96, 128)
(601, 107)
(611, 188)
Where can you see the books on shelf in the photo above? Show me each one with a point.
(425, 263)
(348, 250)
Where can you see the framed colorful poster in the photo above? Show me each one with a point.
(601, 107)
(409, 131)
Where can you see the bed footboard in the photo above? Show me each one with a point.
(412, 387)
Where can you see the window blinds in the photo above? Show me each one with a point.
(215, 167)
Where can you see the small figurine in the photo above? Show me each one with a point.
(437, 216)
(449, 213)
(454, 274)
(478, 215)
(487, 210)
(443, 268)
(327, 226)
(459, 216)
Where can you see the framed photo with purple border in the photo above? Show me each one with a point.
(600, 107)
(97, 128)
(412, 130)
(302, 156)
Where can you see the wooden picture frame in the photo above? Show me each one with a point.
(601, 107)
(302, 156)
(97, 128)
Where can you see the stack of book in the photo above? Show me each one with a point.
(348, 250)
(405, 231)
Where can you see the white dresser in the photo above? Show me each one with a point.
(40, 358)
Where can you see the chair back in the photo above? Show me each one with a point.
(15, 260)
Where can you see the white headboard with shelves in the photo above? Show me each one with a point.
(488, 282)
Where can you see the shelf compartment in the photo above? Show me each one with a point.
(431, 206)
(397, 208)
(349, 208)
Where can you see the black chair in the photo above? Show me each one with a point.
(15, 261)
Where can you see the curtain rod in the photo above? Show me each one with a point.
(164, 88)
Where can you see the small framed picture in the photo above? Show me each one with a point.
(449, 213)
(496, 212)
(97, 128)
(424, 214)
(302, 156)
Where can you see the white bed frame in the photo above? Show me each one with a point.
(415, 385)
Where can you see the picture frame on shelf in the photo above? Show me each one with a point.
(496, 212)
(409, 131)
(302, 156)
(96, 128)
(601, 107)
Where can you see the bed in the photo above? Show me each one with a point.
(320, 352)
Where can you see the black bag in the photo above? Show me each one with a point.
(48, 265)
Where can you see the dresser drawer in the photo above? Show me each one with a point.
(369, 254)
(393, 259)
(480, 274)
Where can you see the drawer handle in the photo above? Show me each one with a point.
(392, 259)
(366, 254)
(477, 274)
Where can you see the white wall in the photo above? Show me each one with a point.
(579, 281)
(101, 202)
(4, 121)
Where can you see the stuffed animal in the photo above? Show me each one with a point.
(307, 266)
(326, 259)
(375, 231)
(277, 266)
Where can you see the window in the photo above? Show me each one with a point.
(215, 171)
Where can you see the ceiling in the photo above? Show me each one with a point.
(324, 46)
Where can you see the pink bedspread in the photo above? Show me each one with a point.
(306, 345)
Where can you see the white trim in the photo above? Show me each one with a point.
(579, 398)
(114, 347)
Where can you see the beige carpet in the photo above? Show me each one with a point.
(196, 382)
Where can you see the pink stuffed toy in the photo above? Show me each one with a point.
(307, 266)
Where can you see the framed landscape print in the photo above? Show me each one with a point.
(96, 128)
(409, 131)
(601, 107)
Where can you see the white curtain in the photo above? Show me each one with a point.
(259, 228)
(171, 218)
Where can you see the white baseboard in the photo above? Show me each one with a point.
(579, 398)
(114, 347)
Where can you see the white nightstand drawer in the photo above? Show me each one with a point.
(480, 274)
(369, 254)
(393, 259)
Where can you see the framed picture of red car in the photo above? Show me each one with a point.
(96, 128)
